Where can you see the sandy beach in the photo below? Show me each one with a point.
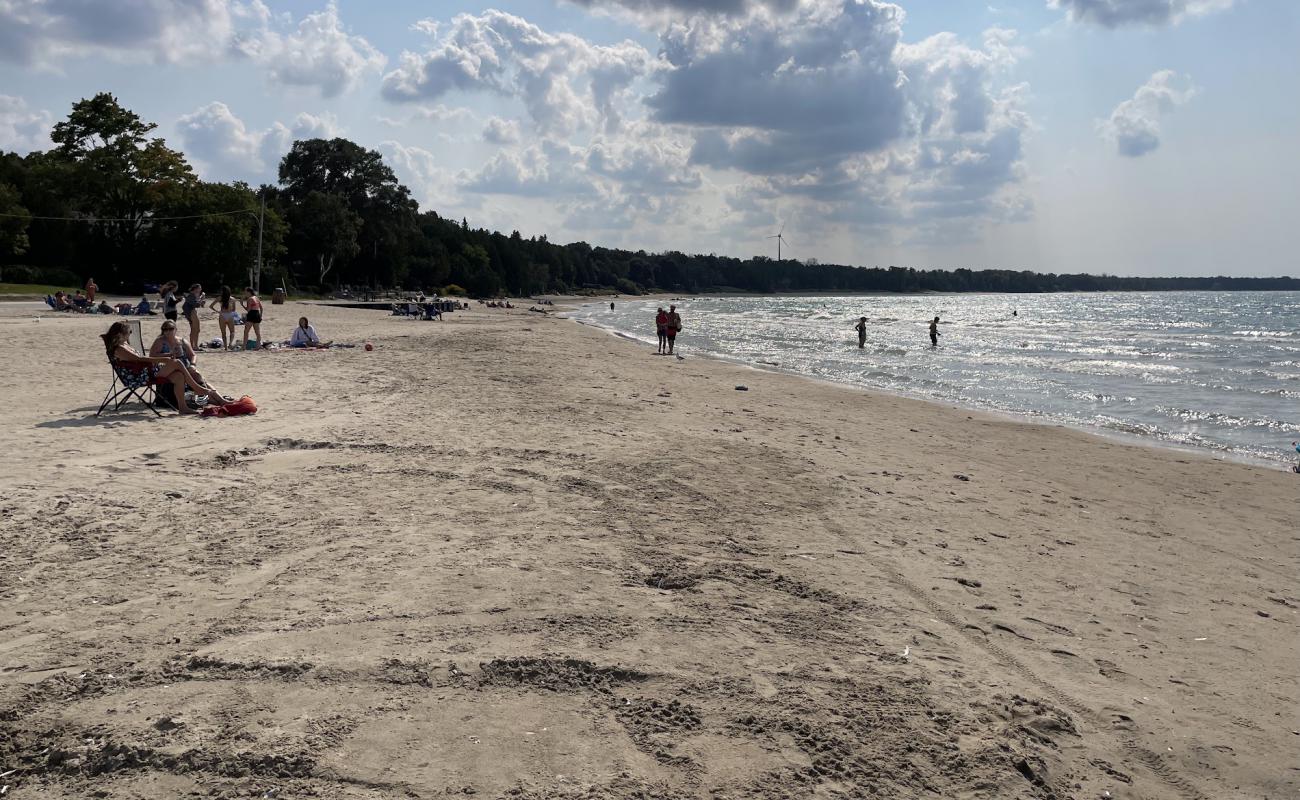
(509, 556)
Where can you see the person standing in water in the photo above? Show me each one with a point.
(661, 325)
(934, 332)
(673, 327)
(862, 332)
(611, 306)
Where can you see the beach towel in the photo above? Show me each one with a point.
(238, 408)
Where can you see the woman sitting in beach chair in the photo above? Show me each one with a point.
(160, 370)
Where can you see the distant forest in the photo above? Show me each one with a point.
(112, 202)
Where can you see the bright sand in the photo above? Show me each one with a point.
(506, 553)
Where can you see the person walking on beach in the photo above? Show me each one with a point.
(661, 326)
(934, 332)
(673, 327)
(862, 332)
(193, 302)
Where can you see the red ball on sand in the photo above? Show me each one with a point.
(369, 346)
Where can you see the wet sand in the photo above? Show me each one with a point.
(509, 556)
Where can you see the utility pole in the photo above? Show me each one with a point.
(261, 222)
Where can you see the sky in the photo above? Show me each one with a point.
(1128, 137)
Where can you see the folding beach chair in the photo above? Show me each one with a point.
(131, 381)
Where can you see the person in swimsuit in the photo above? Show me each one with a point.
(193, 302)
(862, 332)
(158, 367)
(252, 316)
(661, 325)
(673, 327)
(934, 332)
(169, 343)
(228, 313)
(91, 288)
(169, 299)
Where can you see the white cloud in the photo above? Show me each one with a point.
(501, 131)
(769, 95)
(934, 135)
(222, 147)
(1134, 125)
(565, 82)
(546, 169)
(23, 129)
(418, 169)
(747, 120)
(318, 52)
(165, 31)
(1118, 13)
(663, 9)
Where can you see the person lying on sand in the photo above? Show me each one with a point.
(158, 367)
(305, 336)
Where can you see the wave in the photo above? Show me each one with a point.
(1218, 418)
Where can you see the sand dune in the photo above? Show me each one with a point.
(509, 556)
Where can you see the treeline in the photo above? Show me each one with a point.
(112, 202)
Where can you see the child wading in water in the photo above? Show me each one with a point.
(252, 316)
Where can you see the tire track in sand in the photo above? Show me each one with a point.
(1151, 760)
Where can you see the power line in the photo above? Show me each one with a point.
(129, 219)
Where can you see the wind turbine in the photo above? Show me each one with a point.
(780, 240)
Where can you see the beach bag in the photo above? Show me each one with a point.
(238, 408)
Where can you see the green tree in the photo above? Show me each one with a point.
(324, 226)
(220, 243)
(388, 241)
(14, 219)
(109, 167)
(471, 268)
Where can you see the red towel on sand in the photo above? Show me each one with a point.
(240, 407)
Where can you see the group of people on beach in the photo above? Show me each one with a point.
(80, 303)
(668, 324)
(227, 307)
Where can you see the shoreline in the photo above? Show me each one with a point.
(514, 555)
(1279, 464)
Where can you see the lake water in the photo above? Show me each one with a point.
(1212, 370)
